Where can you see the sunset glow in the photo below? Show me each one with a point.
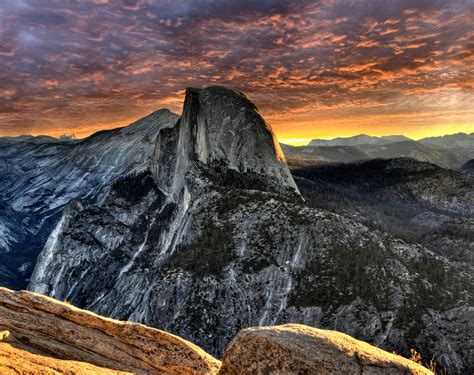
(315, 69)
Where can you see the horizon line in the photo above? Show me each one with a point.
(286, 141)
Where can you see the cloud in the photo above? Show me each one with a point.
(88, 65)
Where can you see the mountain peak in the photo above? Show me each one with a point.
(225, 116)
(347, 141)
(395, 138)
(219, 126)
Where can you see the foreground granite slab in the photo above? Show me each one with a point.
(39, 332)
(298, 349)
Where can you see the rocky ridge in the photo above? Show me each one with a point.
(417, 201)
(203, 244)
(451, 158)
(361, 139)
(40, 175)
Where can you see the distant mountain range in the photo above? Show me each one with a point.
(362, 139)
(451, 151)
(447, 141)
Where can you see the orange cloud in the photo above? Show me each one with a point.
(312, 67)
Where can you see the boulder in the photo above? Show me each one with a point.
(298, 349)
(39, 332)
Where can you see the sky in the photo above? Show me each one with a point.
(315, 69)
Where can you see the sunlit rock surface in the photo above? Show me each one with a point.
(43, 334)
(298, 349)
(20, 359)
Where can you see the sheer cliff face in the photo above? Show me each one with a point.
(214, 238)
(218, 126)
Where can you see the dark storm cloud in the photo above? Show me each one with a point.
(38, 18)
(72, 65)
(223, 10)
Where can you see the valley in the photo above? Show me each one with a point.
(197, 225)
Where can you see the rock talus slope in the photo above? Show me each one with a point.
(214, 238)
(36, 327)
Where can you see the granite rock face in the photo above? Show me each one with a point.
(298, 349)
(20, 359)
(221, 127)
(36, 327)
(214, 237)
(40, 175)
